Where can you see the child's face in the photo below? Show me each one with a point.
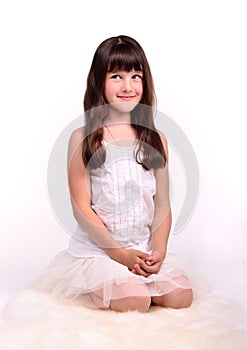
(124, 89)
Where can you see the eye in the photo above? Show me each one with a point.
(115, 76)
(137, 77)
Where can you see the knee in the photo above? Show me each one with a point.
(178, 299)
(140, 304)
(182, 299)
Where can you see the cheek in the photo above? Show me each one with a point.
(109, 90)
(140, 90)
(106, 92)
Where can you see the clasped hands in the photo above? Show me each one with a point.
(144, 264)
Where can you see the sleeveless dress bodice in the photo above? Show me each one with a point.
(122, 196)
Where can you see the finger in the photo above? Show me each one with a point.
(143, 255)
(147, 268)
(147, 265)
(140, 271)
(150, 257)
(144, 265)
(150, 260)
(150, 269)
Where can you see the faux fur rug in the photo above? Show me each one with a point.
(36, 321)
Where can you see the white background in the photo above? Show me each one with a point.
(197, 54)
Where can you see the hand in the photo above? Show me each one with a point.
(149, 265)
(134, 257)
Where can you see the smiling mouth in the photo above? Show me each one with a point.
(126, 97)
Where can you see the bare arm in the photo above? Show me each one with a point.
(80, 193)
(161, 224)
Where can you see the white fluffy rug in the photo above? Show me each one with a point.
(36, 321)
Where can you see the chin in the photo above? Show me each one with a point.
(125, 107)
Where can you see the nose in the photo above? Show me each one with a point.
(126, 85)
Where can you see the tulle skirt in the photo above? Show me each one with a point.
(95, 281)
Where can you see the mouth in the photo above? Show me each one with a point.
(126, 98)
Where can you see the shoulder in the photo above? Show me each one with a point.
(164, 142)
(77, 134)
(76, 137)
(161, 174)
(75, 141)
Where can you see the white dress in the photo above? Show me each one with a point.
(122, 196)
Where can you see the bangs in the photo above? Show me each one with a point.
(124, 58)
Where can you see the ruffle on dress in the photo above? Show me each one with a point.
(105, 279)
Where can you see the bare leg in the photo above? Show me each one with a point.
(140, 303)
(177, 299)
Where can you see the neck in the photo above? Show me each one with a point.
(115, 116)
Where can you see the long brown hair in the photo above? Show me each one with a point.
(113, 54)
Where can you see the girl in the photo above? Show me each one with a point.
(118, 178)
